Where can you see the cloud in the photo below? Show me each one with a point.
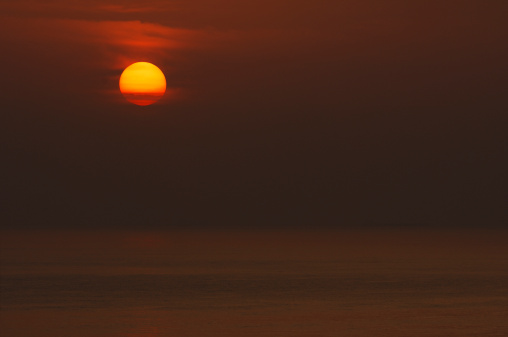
(95, 50)
(222, 47)
(81, 9)
(62, 55)
(112, 37)
(122, 8)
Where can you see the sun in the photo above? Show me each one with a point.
(142, 83)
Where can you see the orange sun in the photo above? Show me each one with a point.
(142, 83)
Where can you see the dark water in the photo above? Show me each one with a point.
(250, 290)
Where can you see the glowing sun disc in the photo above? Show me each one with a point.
(142, 83)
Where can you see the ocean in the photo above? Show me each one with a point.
(363, 283)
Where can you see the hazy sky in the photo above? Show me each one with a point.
(278, 113)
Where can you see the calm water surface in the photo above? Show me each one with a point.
(158, 286)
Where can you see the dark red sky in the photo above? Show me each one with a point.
(279, 113)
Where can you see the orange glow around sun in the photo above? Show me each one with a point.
(142, 83)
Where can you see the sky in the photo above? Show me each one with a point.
(299, 114)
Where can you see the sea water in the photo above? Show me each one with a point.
(140, 284)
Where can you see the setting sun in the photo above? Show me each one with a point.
(142, 83)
